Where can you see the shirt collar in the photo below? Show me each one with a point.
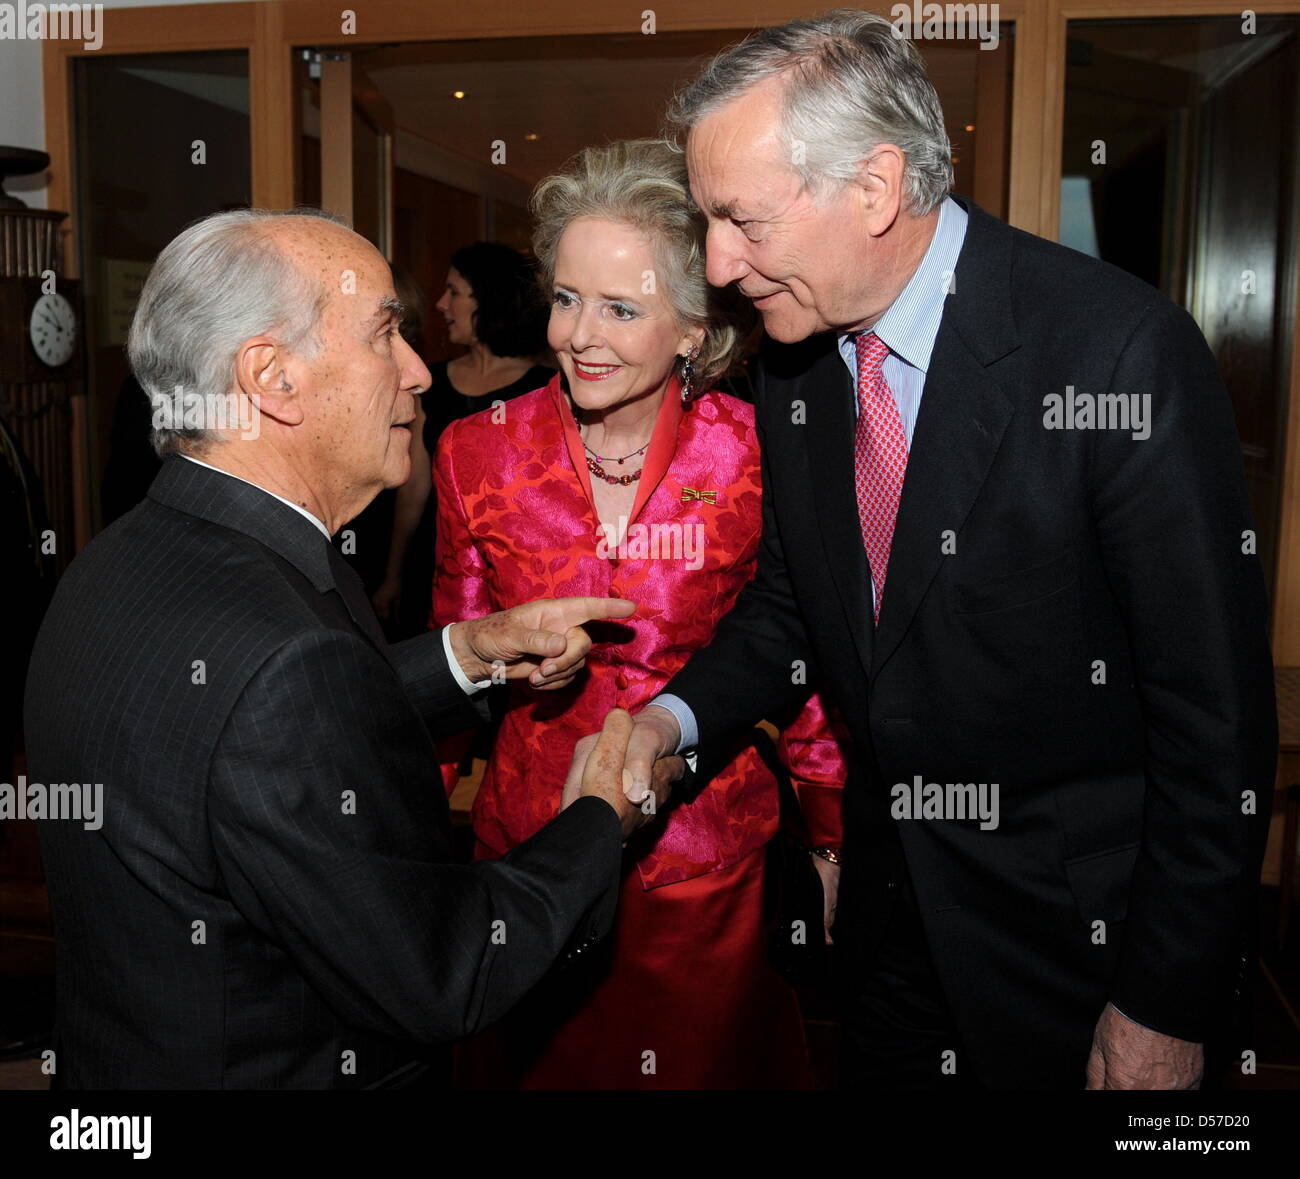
(910, 324)
(287, 502)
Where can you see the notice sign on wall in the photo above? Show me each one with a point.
(120, 280)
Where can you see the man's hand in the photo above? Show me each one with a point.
(598, 770)
(655, 735)
(543, 640)
(830, 875)
(1125, 1055)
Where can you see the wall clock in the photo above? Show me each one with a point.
(52, 329)
(41, 332)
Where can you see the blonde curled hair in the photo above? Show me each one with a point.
(642, 183)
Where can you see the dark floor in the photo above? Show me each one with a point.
(26, 987)
(26, 1004)
(1276, 1007)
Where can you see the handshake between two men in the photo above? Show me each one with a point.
(631, 763)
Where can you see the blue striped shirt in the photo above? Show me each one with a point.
(909, 327)
(911, 323)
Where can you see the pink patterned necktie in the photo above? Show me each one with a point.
(880, 459)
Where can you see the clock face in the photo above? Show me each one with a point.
(53, 330)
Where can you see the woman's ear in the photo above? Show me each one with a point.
(694, 338)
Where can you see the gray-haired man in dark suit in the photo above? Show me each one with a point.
(270, 900)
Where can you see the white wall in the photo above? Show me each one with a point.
(22, 112)
(22, 104)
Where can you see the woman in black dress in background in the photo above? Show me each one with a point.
(492, 307)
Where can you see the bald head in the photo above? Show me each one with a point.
(283, 329)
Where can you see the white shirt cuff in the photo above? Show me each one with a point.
(466, 684)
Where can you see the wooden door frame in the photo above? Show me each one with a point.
(1286, 581)
(345, 88)
(270, 29)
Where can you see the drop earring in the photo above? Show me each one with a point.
(688, 375)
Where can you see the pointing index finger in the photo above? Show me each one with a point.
(580, 610)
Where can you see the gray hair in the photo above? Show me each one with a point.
(217, 283)
(852, 83)
(642, 183)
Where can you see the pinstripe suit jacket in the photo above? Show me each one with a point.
(270, 900)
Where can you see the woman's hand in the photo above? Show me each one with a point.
(830, 876)
(387, 598)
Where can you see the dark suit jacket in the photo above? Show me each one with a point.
(1075, 615)
(270, 901)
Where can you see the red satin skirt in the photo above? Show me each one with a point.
(680, 996)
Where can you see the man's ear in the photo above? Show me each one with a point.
(880, 187)
(262, 376)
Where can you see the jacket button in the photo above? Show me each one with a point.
(621, 681)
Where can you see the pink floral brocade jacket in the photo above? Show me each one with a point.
(517, 521)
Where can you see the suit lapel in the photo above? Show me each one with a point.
(827, 391)
(958, 431)
(963, 417)
(232, 503)
(964, 414)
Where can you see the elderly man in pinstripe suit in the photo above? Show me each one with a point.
(271, 901)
